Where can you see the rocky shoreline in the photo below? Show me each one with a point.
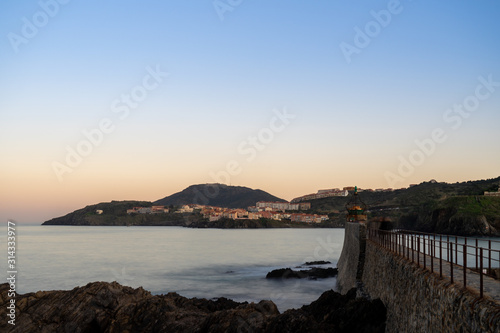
(111, 307)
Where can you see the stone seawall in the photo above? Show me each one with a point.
(351, 260)
(416, 300)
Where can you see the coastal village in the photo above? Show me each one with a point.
(292, 210)
(295, 211)
(268, 210)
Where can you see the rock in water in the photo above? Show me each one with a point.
(313, 273)
(320, 262)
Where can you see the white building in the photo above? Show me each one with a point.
(280, 206)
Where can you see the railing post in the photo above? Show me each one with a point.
(407, 242)
(418, 251)
(489, 255)
(429, 244)
(402, 240)
(451, 262)
(440, 257)
(396, 242)
(433, 248)
(456, 250)
(465, 242)
(412, 260)
(429, 249)
(481, 272)
(447, 247)
(423, 246)
(465, 265)
(398, 248)
(476, 255)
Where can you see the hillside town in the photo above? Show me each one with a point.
(273, 210)
(295, 210)
(267, 210)
(336, 192)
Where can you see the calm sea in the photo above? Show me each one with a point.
(204, 263)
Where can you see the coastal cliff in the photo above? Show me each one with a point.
(111, 307)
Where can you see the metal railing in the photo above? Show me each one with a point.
(461, 254)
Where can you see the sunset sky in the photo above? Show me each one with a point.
(123, 100)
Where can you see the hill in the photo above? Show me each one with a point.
(114, 213)
(217, 195)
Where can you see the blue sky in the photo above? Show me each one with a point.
(227, 79)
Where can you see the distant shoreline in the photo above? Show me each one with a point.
(202, 224)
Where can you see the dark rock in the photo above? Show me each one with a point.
(333, 312)
(320, 262)
(249, 318)
(314, 273)
(294, 320)
(322, 273)
(110, 307)
(284, 273)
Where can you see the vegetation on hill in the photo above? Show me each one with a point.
(458, 208)
(459, 215)
(115, 213)
(218, 195)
